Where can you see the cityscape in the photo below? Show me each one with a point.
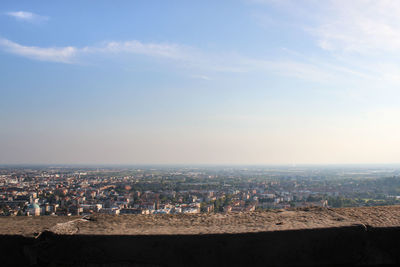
(199, 133)
(76, 190)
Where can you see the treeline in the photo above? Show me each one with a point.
(339, 202)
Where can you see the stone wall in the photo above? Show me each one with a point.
(351, 245)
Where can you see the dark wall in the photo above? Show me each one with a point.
(354, 245)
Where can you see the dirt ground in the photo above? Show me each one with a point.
(306, 218)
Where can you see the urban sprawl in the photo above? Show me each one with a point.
(66, 191)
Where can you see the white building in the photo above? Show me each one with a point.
(33, 210)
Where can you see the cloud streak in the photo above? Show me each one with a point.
(201, 77)
(72, 54)
(182, 56)
(52, 54)
(164, 50)
(26, 16)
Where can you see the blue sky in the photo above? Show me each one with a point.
(198, 82)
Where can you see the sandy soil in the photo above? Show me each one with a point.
(204, 223)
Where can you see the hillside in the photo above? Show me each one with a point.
(308, 218)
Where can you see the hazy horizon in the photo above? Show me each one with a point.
(243, 82)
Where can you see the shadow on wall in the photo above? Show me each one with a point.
(353, 245)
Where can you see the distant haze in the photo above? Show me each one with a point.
(200, 82)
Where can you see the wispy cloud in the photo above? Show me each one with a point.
(165, 50)
(358, 38)
(201, 77)
(71, 54)
(53, 54)
(360, 26)
(27, 16)
(183, 57)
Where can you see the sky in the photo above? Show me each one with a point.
(200, 82)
